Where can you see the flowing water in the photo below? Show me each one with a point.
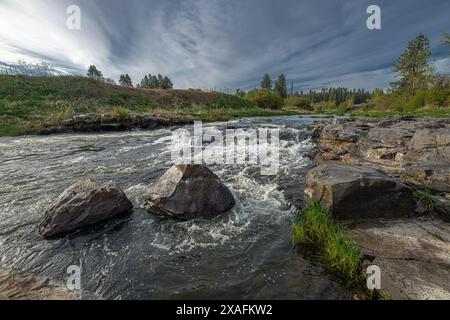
(245, 254)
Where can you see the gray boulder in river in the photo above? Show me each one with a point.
(189, 192)
(359, 192)
(83, 204)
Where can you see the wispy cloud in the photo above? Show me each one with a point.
(217, 43)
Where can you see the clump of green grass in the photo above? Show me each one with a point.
(315, 227)
(425, 198)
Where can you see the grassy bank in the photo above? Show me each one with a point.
(316, 228)
(28, 102)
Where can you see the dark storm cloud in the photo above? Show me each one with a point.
(225, 43)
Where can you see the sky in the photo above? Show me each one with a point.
(225, 43)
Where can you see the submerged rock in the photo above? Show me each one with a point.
(189, 192)
(83, 204)
(358, 192)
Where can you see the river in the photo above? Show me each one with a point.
(245, 254)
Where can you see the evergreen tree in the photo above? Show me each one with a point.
(145, 83)
(166, 83)
(125, 80)
(154, 83)
(266, 83)
(280, 86)
(413, 68)
(94, 73)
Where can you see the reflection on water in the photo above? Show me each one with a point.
(246, 254)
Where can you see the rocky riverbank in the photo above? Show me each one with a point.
(370, 173)
(415, 150)
(88, 123)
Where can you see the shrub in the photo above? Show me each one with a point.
(298, 102)
(120, 113)
(437, 96)
(265, 99)
(417, 101)
(345, 106)
(324, 106)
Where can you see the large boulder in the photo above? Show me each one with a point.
(84, 204)
(358, 192)
(189, 192)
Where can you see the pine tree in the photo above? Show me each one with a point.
(94, 73)
(145, 83)
(166, 83)
(266, 83)
(154, 83)
(413, 68)
(280, 86)
(125, 80)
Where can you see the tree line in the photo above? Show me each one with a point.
(337, 95)
(148, 82)
(156, 82)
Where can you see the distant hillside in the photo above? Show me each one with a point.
(27, 101)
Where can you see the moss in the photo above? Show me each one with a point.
(315, 227)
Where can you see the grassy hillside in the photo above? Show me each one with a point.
(26, 102)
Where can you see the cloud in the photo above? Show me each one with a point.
(225, 44)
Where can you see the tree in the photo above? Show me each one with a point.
(145, 83)
(125, 81)
(154, 82)
(166, 83)
(266, 83)
(94, 73)
(280, 86)
(413, 68)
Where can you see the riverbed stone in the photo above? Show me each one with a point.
(358, 192)
(413, 255)
(189, 192)
(84, 204)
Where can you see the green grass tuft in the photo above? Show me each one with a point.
(315, 227)
(425, 197)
